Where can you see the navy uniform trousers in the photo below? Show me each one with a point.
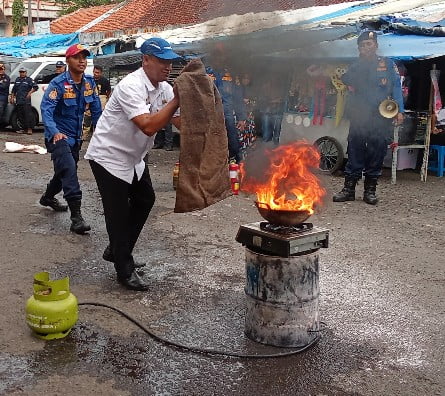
(65, 159)
(367, 146)
(126, 209)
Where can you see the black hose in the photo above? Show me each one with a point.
(197, 349)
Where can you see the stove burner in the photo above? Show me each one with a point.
(286, 230)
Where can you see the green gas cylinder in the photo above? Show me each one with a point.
(52, 311)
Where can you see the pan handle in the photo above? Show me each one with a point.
(262, 205)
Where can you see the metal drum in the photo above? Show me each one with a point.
(282, 298)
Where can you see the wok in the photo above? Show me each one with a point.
(282, 217)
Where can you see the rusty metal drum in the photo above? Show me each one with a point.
(282, 296)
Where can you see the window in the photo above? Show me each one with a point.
(46, 74)
(31, 67)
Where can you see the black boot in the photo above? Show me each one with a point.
(348, 191)
(369, 194)
(78, 224)
(53, 203)
(108, 256)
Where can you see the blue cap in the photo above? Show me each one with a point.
(60, 64)
(158, 47)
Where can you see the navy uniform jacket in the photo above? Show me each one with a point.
(232, 93)
(22, 86)
(64, 104)
(372, 81)
(4, 86)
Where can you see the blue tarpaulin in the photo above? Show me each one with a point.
(26, 46)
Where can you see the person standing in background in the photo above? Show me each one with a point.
(4, 90)
(104, 91)
(232, 95)
(24, 87)
(272, 112)
(102, 84)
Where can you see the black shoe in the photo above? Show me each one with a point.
(133, 282)
(169, 147)
(157, 146)
(53, 203)
(108, 256)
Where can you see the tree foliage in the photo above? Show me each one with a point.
(18, 19)
(70, 6)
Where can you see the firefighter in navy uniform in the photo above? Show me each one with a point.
(4, 90)
(232, 95)
(371, 80)
(63, 107)
(22, 90)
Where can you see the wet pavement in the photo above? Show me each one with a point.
(381, 280)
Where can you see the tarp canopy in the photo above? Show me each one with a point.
(401, 47)
(31, 45)
(262, 42)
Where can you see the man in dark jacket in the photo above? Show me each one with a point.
(21, 93)
(371, 80)
(4, 90)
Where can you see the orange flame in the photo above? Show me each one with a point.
(282, 178)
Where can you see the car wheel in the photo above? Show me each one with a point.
(331, 154)
(17, 125)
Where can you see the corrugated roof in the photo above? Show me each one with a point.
(160, 13)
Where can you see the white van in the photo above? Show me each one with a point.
(40, 70)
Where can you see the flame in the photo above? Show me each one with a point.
(282, 178)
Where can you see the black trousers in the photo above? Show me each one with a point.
(126, 208)
(24, 114)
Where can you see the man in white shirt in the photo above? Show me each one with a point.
(141, 104)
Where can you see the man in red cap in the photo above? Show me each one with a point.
(63, 106)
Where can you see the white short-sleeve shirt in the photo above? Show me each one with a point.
(117, 143)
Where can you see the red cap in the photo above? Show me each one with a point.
(76, 49)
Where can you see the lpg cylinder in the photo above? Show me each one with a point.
(52, 311)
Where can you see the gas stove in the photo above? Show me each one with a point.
(282, 240)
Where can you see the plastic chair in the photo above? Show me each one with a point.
(436, 161)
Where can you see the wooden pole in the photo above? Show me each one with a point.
(429, 126)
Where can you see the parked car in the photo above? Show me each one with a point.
(41, 70)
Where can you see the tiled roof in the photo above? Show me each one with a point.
(160, 13)
(74, 21)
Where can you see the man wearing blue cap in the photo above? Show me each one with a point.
(371, 80)
(142, 104)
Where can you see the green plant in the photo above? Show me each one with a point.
(18, 20)
(70, 6)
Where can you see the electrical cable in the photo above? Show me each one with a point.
(206, 351)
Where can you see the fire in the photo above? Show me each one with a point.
(282, 178)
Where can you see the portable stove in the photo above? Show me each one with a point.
(284, 241)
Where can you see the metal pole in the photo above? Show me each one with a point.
(29, 17)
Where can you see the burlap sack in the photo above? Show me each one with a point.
(204, 170)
